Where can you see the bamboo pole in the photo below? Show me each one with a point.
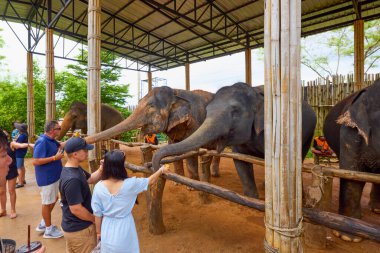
(150, 84)
(30, 96)
(187, 75)
(93, 81)
(248, 66)
(359, 53)
(283, 165)
(50, 88)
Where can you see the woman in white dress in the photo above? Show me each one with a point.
(112, 203)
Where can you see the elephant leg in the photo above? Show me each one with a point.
(178, 168)
(375, 198)
(349, 198)
(215, 166)
(247, 178)
(192, 167)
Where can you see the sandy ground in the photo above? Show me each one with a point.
(220, 226)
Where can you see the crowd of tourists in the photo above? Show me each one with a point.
(100, 221)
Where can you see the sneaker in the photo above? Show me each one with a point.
(40, 228)
(53, 233)
(19, 185)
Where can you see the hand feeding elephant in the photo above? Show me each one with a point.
(76, 118)
(352, 129)
(236, 117)
(178, 113)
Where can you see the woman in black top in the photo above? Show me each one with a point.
(11, 178)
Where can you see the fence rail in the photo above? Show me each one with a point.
(323, 94)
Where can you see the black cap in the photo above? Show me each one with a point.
(75, 144)
(21, 127)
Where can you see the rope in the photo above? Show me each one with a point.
(319, 174)
(269, 248)
(288, 232)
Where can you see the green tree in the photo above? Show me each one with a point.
(13, 101)
(71, 84)
(339, 44)
(2, 43)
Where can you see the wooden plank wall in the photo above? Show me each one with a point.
(323, 94)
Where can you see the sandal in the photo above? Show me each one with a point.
(3, 213)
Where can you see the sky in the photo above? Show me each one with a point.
(209, 75)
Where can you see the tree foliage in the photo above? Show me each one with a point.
(340, 43)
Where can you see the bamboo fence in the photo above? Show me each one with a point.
(323, 94)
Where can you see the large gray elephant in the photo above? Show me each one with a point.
(352, 129)
(236, 117)
(76, 118)
(178, 113)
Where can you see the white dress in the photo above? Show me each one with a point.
(118, 231)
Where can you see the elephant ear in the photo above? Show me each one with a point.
(357, 117)
(179, 112)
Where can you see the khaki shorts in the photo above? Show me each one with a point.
(83, 241)
(49, 193)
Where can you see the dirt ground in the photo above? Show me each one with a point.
(220, 226)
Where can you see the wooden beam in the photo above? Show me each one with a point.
(50, 87)
(359, 53)
(283, 163)
(248, 66)
(187, 75)
(30, 96)
(93, 80)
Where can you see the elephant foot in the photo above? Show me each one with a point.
(347, 237)
(375, 210)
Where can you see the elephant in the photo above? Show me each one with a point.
(352, 129)
(177, 113)
(76, 118)
(236, 117)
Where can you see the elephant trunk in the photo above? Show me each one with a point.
(65, 126)
(208, 132)
(132, 122)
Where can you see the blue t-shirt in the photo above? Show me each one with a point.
(48, 173)
(21, 152)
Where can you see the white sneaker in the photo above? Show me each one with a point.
(40, 228)
(53, 233)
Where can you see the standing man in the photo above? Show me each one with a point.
(47, 161)
(21, 152)
(77, 218)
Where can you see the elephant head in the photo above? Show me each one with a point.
(162, 110)
(234, 117)
(75, 118)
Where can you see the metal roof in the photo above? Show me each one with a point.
(163, 34)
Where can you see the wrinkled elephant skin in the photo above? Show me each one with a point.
(352, 128)
(235, 117)
(177, 113)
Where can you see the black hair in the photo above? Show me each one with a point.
(50, 125)
(3, 140)
(114, 165)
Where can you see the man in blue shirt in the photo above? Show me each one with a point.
(47, 161)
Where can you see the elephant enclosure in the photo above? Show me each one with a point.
(220, 226)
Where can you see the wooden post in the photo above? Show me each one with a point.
(187, 75)
(205, 177)
(283, 163)
(50, 89)
(359, 53)
(150, 85)
(154, 196)
(319, 196)
(248, 66)
(93, 80)
(30, 96)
